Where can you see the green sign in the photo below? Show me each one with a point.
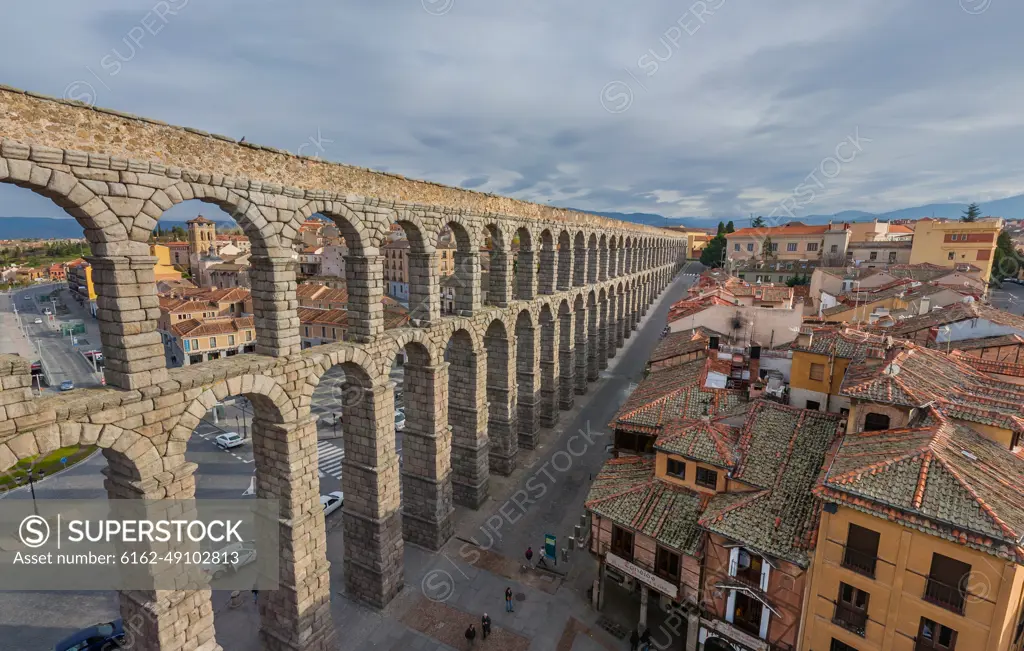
(550, 549)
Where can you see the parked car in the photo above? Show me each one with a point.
(332, 502)
(399, 420)
(238, 555)
(38, 320)
(229, 440)
(101, 637)
(67, 385)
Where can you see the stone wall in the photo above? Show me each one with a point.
(520, 357)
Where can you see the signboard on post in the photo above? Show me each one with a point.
(550, 548)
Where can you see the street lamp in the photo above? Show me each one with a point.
(31, 485)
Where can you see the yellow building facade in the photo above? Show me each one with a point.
(885, 600)
(947, 243)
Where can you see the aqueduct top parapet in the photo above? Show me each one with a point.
(66, 124)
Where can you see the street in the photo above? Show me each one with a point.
(33, 620)
(43, 341)
(1009, 297)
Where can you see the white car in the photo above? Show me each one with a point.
(235, 556)
(332, 502)
(399, 420)
(229, 440)
(38, 320)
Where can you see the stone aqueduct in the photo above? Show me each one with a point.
(579, 288)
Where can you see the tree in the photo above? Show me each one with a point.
(721, 228)
(758, 222)
(713, 254)
(766, 248)
(1006, 262)
(798, 279)
(729, 228)
(971, 214)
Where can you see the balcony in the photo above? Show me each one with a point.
(944, 595)
(850, 618)
(859, 561)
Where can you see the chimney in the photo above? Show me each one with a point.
(712, 347)
(805, 337)
(926, 304)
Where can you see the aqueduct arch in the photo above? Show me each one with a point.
(552, 318)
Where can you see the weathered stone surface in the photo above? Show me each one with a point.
(579, 285)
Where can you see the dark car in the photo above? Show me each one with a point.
(101, 637)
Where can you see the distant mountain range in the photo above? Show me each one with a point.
(16, 228)
(1011, 208)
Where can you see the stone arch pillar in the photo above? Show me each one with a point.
(548, 265)
(620, 320)
(528, 380)
(566, 358)
(610, 325)
(467, 415)
(467, 282)
(426, 466)
(627, 313)
(127, 311)
(526, 271)
(581, 347)
(499, 289)
(374, 569)
(602, 265)
(296, 616)
(613, 257)
(364, 279)
(579, 275)
(549, 373)
(593, 341)
(565, 262)
(592, 260)
(502, 419)
(602, 333)
(620, 261)
(160, 619)
(424, 287)
(275, 303)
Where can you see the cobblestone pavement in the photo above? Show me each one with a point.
(469, 575)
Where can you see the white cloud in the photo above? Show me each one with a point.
(505, 97)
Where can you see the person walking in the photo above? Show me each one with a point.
(634, 640)
(529, 555)
(508, 601)
(255, 594)
(645, 640)
(485, 625)
(471, 634)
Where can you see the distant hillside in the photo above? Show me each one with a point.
(1011, 208)
(16, 228)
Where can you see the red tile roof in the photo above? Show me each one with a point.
(792, 228)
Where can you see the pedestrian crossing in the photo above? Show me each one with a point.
(329, 458)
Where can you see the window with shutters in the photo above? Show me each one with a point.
(817, 372)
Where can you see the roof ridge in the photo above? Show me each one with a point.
(977, 498)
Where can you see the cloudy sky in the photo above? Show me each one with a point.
(716, 108)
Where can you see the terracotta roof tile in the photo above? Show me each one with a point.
(942, 477)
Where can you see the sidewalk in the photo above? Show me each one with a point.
(446, 590)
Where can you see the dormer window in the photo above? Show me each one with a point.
(706, 478)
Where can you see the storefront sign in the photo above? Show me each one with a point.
(639, 573)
